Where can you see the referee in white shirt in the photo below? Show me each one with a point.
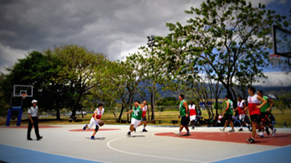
(33, 120)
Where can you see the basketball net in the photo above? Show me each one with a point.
(24, 95)
(274, 59)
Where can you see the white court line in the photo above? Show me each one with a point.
(248, 153)
(146, 155)
(236, 155)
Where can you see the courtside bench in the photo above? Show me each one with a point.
(174, 121)
(156, 120)
(75, 120)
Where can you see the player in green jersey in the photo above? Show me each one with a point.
(227, 113)
(135, 117)
(184, 115)
(265, 113)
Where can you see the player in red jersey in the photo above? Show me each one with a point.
(143, 117)
(255, 103)
(192, 112)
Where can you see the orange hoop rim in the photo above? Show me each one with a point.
(274, 55)
(23, 95)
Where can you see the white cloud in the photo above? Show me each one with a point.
(9, 56)
(115, 28)
(276, 78)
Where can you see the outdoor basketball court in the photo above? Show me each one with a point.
(69, 143)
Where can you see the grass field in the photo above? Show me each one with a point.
(165, 117)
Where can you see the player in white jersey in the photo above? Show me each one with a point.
(241, 105)
(143, 117)
(192, 112)
(95, 120)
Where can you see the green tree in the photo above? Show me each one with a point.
(229, 36)
(168, 101)
(79, 69)
(152, 63)
(37, 70)
(130, 75)
(108, 88)
(4, 105)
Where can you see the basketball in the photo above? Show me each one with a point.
(100, 123)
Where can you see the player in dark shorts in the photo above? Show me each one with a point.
(227, 113)
(255, 103)
(143, 117)
(265, 114)
(184, 114)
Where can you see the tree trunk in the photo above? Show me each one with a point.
(58, 114)
(119, 118)
(216, 105)
(75, 107)
(152, 108)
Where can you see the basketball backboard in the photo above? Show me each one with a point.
(19, 90)
(281, 41)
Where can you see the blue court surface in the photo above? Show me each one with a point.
(280, 155)
(69, 143)
(20, 155)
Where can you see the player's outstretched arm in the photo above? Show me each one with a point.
(271, 104)
(186, 106)
(129, 112)
(246, 108)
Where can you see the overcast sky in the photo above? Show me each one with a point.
(113, 27)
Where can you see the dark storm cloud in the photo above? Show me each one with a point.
(113, 27)
(101, 25)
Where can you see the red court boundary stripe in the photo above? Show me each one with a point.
(100, 129)
(26, 127)
(281, 139)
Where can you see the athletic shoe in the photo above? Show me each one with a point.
(267, 130)
(261, 134)
(128, 134)
(274, 132)
(250, 140)
(179, 134)
(232, 130)
(241, 129)
(92, 137)
(29, 139)
(221, 129)
(84, 128)
(39, 138)
(144, 130)
(187, 134)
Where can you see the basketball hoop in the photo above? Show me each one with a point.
(274, 59)
(24, 95)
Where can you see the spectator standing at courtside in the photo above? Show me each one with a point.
(198, 115)
(33, 120)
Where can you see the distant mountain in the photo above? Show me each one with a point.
(279, 91)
